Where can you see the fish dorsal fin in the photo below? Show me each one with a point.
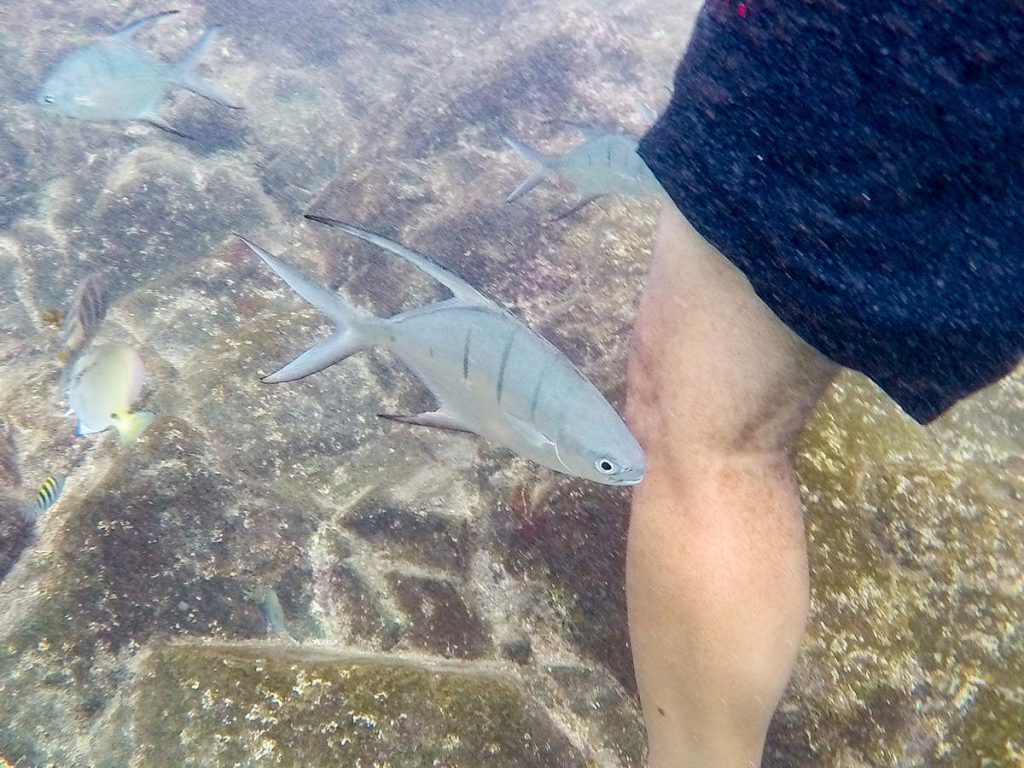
(462, 290)
(128, 32)
(588, 130)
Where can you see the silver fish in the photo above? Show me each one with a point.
(46, 496)
(112, 80)
(606, 163)
(490, 374)
(270, 606)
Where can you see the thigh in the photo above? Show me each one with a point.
(712, 366)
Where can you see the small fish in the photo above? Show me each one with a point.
(88, 308)
(113, 81)
(270, 607)
(51, 318)
(490, 374)
(606, 163)
(46, 497)
(105, 381)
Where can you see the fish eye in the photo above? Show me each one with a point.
(605, 466)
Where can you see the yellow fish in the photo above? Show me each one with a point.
(105, 381)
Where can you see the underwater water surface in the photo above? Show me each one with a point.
(271, 575)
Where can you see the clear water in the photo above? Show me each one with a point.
(270, 575)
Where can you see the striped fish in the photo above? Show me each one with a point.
(490, 374)
(88, 308)
(46, 497)
(606, 163)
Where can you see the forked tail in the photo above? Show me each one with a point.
(354, 329)
(545, 165)
(184, 73)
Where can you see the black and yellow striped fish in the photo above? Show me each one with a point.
(46, 497)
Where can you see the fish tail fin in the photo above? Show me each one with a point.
(355, 330)
(127, 32)
(184, 73)
(545, 164)
(130, 425)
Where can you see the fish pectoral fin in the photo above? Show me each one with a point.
(537, 437)
(438, 419)
(529, 432)
(157, 122)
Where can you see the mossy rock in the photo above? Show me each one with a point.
(913, 652)
(213, 705)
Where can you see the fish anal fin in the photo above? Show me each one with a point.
(579, 206)
(437, 419)
(158, 122)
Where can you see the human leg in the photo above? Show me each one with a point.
(716, 563)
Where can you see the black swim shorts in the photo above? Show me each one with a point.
(863, 164)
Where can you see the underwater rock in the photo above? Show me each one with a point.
(15, 187)
(383, 537)
(416, 536)
(438, 618)
(574, 538)
(270, 705)
(611, 718)
(364, 615)
(16, 532)
(916, 636)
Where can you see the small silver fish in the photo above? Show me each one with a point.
(270, 606)
(46, 497)
(112, 80)
(490, 374)
(606, 163)
(88, 308)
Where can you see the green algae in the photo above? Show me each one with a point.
(916, 604)
(222, 705)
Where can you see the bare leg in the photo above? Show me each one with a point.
(717, 566)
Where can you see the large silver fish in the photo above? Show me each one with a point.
(112, 80)
(490, 374)
(606, 163)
